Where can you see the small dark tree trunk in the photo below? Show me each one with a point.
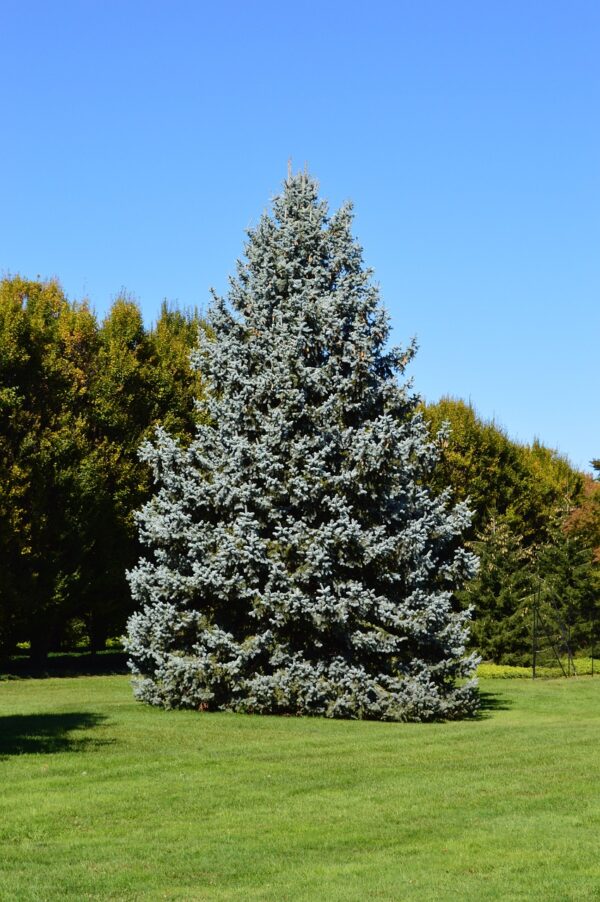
(40, 646)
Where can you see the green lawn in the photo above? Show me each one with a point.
(102, 798)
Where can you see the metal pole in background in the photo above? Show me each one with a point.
(534, 639)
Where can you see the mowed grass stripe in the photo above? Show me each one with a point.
(103, 798)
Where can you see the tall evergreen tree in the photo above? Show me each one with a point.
(297, 562)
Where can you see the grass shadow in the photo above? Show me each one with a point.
(47, 734)
(490, 702)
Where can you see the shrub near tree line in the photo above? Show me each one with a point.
(296, 561)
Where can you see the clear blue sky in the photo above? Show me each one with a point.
(139, 140)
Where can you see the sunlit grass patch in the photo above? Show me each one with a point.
(104, 798)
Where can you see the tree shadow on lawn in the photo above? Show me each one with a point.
(46, 734)
(490, 702)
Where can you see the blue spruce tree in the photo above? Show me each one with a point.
(297, 561)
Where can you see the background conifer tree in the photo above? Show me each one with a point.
(297, 562)
(501, 595)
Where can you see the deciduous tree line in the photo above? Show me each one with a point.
(77, 396)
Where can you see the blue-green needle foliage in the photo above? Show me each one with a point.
(297, 563)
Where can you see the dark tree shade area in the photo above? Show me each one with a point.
(77, 397)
